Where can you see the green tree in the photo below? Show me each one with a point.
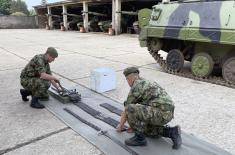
(32, 12)
(5, 6)
(19, 6)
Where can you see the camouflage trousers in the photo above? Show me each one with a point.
(37, 86)
(148, 120)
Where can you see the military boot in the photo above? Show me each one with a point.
(137, 140)
(44, 98)
(36, 104)
(174, 133)
(24, 94)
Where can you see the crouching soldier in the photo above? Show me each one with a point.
(148, 109)
(36, 78)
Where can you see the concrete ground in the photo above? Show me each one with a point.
(203, 109)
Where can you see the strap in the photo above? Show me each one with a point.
(111, 108)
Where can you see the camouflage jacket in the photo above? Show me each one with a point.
(37, 65)
(147, 93)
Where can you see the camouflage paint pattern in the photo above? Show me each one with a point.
(148, 107)
(202, 26)
(211, 21)
(144, 17)
(30, 76)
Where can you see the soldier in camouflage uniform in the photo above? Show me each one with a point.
(36, 78)
(148, 109)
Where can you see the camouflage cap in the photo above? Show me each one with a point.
(52, 52)
(130, 70)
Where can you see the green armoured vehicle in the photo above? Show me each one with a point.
(105, 25)
(74, 20)
(127, 19)
(202, 32)
(93, 25)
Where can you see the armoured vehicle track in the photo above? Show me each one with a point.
(211, 79)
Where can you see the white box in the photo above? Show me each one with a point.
(103, 79)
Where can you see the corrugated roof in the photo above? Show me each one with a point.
(59, 3)
(70, 2)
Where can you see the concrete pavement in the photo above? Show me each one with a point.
(203, 109)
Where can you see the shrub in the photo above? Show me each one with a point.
(18, 14)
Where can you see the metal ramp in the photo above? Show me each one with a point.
(161, 146)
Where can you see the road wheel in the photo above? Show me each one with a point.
(175, 60)
(155, 44)
(202, 65)
(228, 70)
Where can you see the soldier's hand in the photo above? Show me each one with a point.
(57, 81)
(119, 128)
(60, 90)
(129, 130)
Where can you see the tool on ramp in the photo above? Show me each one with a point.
(111, 108)
(98, 114)
(102, 132)
(66, 95)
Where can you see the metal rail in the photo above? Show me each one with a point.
(102, 132)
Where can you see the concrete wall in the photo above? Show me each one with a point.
(18, 22)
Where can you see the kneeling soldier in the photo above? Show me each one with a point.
(148, 109)
(36, 78)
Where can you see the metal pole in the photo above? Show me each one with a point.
(118, 17)
(85, 16)
(49, 17)
(65, 18)
(113, 13)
